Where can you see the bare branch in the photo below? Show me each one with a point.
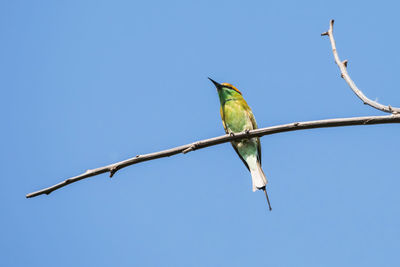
(113, 168)
(343, 69)
(220, 140)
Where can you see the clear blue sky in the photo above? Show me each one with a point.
(88, 83)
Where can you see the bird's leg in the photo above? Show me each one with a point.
(266, 195)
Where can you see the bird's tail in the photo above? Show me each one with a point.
(259, 181)
(258, 177)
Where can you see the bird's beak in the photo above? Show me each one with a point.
(215, 83)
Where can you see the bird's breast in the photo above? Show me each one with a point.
(236, 117)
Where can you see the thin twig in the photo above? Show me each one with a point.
(222, 139)
(345, 75)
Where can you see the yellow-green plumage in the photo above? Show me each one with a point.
(237, 117)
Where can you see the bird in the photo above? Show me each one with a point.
(238, 117)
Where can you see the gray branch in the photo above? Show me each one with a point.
(113, 168)
(345, 75)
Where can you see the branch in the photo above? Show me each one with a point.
(113, 168)
(345, 75)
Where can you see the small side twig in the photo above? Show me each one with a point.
(345, 75)
(112, 168)
(192, 147)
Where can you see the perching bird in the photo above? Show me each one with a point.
(237, 117)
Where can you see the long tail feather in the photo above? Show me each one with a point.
(259, 179)
(266, 195)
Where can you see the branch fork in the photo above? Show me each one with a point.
(345, 75)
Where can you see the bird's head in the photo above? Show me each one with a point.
(226, 90)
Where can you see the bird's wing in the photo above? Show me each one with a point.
(240, 156)
(259, 150)
(226, 131)
(223, 119)
(254, 123)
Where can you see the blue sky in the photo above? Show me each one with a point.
(88, 83)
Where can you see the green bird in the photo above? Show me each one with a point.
(237, 117)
